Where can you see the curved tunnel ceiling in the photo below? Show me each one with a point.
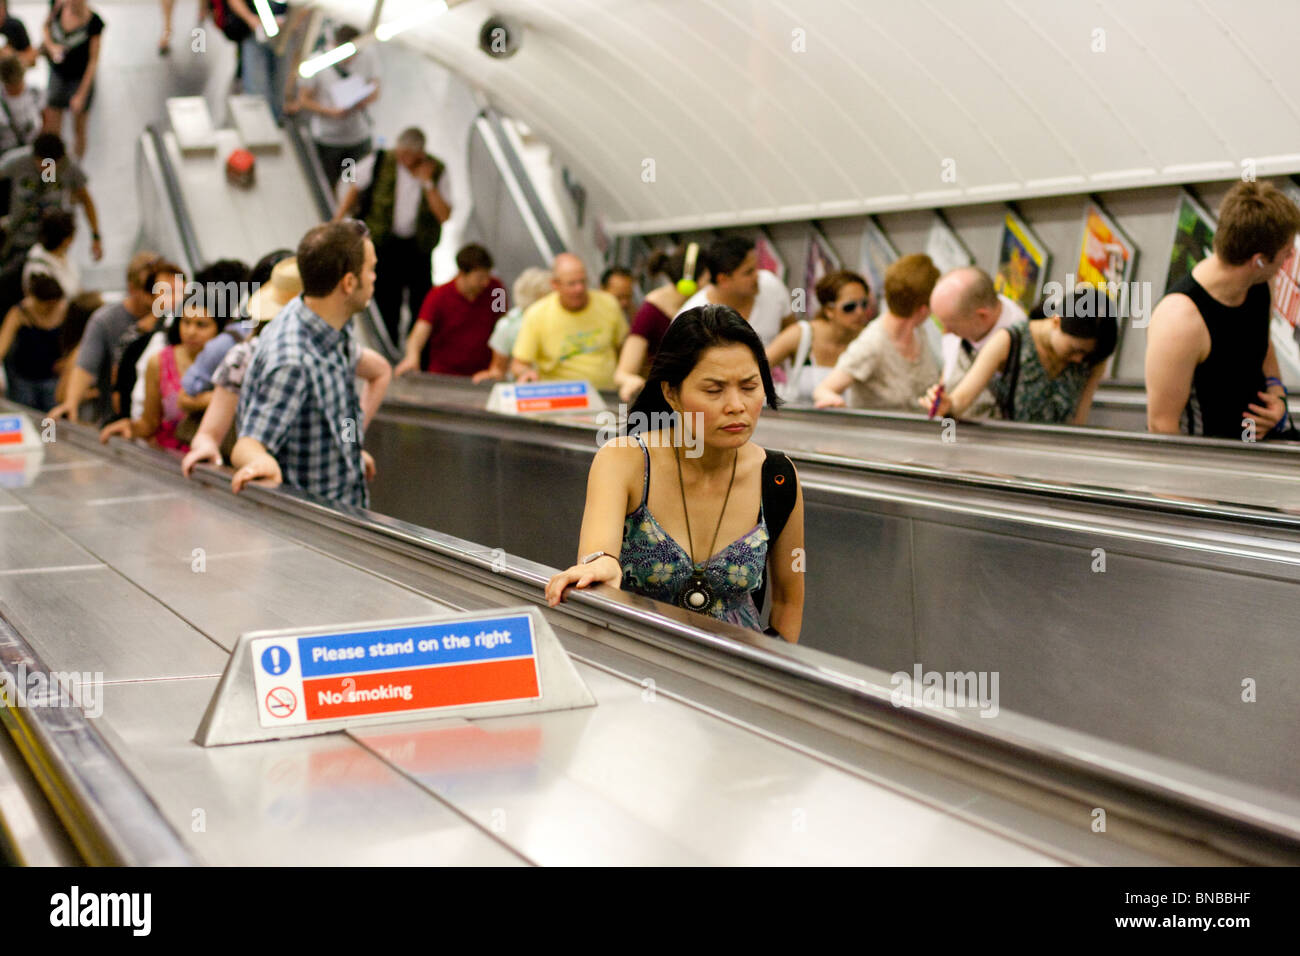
(743, 111)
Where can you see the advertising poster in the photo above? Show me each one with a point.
(1022, 263)
(818, 261)
(1106, 255)
(876, 255)
(1193, 238)
(944, 248)
(1285, 325)
(768, 257)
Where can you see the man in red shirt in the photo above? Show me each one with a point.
(457, 318)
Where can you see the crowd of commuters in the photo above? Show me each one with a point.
(261, 366)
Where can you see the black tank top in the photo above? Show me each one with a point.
(1233, 374)
(35, 351)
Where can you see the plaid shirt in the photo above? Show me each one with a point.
(299, 399)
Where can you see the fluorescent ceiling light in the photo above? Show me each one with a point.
(268, 20)
(309, 68)
(428, 11)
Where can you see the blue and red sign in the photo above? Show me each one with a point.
(399, 669)
(536, 397)
(11, 430)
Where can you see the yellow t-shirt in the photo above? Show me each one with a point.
(571, 346)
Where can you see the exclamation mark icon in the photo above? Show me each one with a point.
(275, 660)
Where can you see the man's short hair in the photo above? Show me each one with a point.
(411, 138)
(1254, 218)
(726, 254)
(140, 268)
(49, 146)
(162, 270)
(908, 284)
(328, 252)
(611, 272)
(473, 256)
(346, 33)
(11, 69)
(56, 226)
(977, 292)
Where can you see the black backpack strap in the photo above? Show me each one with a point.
(780, 488)
(1011, 373)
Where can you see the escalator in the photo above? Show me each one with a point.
(706, 741)
(1125, 587)
(1130, 616)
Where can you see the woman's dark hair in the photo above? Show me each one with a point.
(673, 264)
(687, 338)
(832, 283)
(261, 271)
(1087, 313)
(56, 226)
(42, 287)
(218, 289)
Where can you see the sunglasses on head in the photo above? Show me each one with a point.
(848, 308)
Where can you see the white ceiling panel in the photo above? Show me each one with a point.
(766, 110)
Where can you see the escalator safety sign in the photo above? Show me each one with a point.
(398, 669)
(510, 398)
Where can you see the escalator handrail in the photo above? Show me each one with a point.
(318, 186)
(515, 169)
(842, 686)
(107, 814)
(1259, 515)
(176, 198)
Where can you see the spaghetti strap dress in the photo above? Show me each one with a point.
(656, 566)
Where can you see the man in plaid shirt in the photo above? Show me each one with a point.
(300, 419)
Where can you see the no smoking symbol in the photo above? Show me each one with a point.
(281, 702)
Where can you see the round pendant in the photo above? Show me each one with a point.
(697, 594)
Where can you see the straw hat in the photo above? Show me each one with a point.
(285, 285)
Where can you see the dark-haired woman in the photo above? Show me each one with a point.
(50, 254)
(162, 404)
(652, 320)
(32, 342)
(659, 504)
(1052, 375)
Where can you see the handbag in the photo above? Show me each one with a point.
(1011, 375)
(788, 391)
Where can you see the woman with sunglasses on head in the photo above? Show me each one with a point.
(814, 346)
(659, 503)
(890, 365)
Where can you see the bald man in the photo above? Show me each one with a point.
(970, 310)
(573, 333)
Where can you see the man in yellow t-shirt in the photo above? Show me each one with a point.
(572, 334)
